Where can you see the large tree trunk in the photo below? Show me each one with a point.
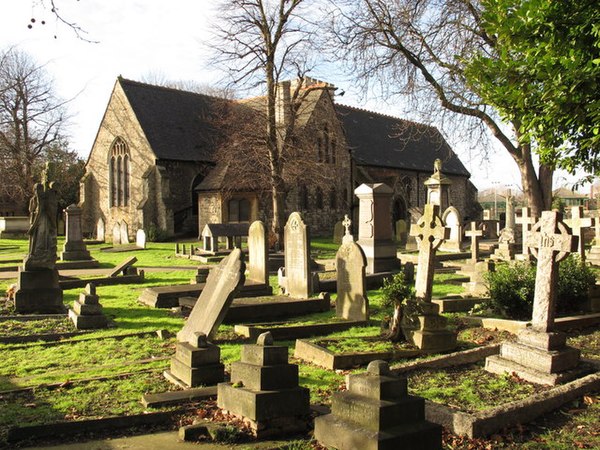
(395, 331)
(537, 187)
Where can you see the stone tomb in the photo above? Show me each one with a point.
(376, 413)
(196, 361)
(74, 248)
(421, 323)
(352, 302)
(375, 227)
(264, 391)
(297, 259)
(540, 354)
(87, 310)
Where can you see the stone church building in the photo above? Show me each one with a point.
(153, 163)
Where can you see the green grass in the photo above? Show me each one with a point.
(323, 248)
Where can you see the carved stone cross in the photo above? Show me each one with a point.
(347, 235)
(474, 234)
(526, 221)
(577, 223)
(550, 242)
(429, 232)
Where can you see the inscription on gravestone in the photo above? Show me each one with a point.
(352, 302)
(297, 269)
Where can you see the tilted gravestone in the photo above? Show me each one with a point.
(38, 290)
(297, 258)
(196, 360)
(376, 412)
(578, 224)
(74, 249)
(540, 354)
(258, 253)
(352, 302)
(421, 322)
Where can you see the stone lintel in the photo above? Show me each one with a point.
(267, 355)
(264, 378)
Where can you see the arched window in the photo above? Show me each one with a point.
(319, 198)
(119, 173)
(332, 199)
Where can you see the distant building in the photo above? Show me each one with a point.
(153, 163)
(570, 198)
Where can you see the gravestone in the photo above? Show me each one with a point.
(348, 237)
(477, 284)
(38, 290)
(258, 253)
(116, 234)
(540, 354)
(264, 391)
(526, 221)
(421, 322)
(376, 412)
(297, 258)
(74, 249)
(338, 232)
(453, 221)
(401, 231)
(124, 233)
(140, 239)
(475, 234)
(100, 231)
(87, 310)
(510, 211)
(375, 227)
(352, 302)
(438, 186)
(578, 224)
(593, 256)
(487, 214)
(196, 360)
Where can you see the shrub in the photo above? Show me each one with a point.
(396, 289)
(512, 288)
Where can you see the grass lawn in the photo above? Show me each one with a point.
(59, 381)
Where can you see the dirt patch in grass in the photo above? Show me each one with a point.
(470, 388)
(587, 340)
(45, 326)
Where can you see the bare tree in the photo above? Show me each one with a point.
(32, 119)
(418, 49)
(158, 78)
(53, 6)
(261, 42)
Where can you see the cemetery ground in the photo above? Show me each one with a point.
(86, 375)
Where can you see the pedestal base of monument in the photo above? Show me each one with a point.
(381, 256)
(38, 292)
(537, 357)
(75, 251)
(196, 366)
(424, 327)
(268, 413)
(88, 322)
(505, 251)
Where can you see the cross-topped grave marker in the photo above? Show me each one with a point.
(475, 235)
(429, 232)
(577, 223)
(526, 221)
(347, 234)
(550, 242)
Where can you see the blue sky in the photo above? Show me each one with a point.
(139, 37)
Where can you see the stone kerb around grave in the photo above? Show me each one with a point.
(297, 257)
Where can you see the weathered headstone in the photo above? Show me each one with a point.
(258, 253)
(347, 223)
(196, 360)
(593, 256)
(124, 233)
(352, 302)
(100, 230)
(375, 227)
(540, 354)
(578, 223)
(338, 232)
(38, 290)
(140, 239)
(74, 249)
(116, 234)
(526, 221)
(223, 282)
(477, 284)
(87, 310)
(297, 258)
(401, 231)
(376, 412)
(453, 221)
(264, 391)
(421, 322)
(475, 234)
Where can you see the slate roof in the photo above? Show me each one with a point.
(175, 122)
(384, 141)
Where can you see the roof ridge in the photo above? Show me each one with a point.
(167, 88)
(389, 116)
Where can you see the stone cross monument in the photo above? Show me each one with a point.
(475, 234)
(578, 223)
(526, 221)
(438, 187)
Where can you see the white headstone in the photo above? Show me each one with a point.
(297, 258)
(453, 222)
(116, 239)
(258, 253)
(124, 233)
(140, 239)
(100, 232)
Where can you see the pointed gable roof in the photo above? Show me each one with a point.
(176, 123)
(385, 141)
